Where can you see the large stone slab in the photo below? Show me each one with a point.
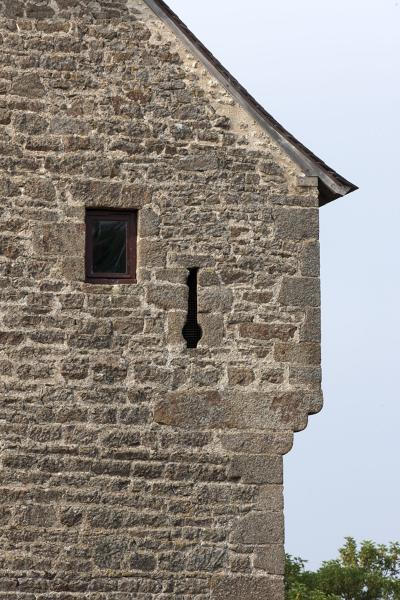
(246, 588)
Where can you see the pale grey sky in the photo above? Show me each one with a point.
(329, 71)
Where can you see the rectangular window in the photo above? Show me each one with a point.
(111, 246)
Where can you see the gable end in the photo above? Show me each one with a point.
(331, 184)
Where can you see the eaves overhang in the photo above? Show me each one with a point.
(331, 184)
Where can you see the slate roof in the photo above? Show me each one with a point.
(331, 184)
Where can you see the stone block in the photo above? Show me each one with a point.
(62, 125)
(270, 167)
(213, 330)
(271, 442)
(305, 375)
(129, 326)
(258, 469)
(214, 299)
(40, 189)
(272, 375)
(310, 260)
(208, 277)
(270, 559)
(258, 528)
(30, 123)
(257, 297)
(10, 338)
(170, 275)
(13, 9)
(167, 297)
(240, 563)
(60, 239)
(35, 515)
(192, 261)
(297, 223)
(231, 275)
(304, 353)
(191, 409)
(206, 559)
(199, 163)
(315, 402)
(267, 331)
(149, 223)
(311, 328)
(120, 438)
(143, 562)
(270, 498)
(71, 517)
(39, 11)
(73, 268)
(109, 373)
(232, 410)
(5, 117)
(226, 587)
(93, 193)
(4, 86)
(175, 323)
(5, 516)
(240, 376)
(109, 552)
(152, 253)
(300, 291)
(28, 85)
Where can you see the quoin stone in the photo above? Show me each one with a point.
(145, 411)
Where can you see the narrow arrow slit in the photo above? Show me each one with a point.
(192, 331)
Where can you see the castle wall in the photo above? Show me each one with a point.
(132, 466)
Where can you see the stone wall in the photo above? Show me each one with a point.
(132, 467)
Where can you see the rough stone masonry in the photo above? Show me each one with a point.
(133, 467)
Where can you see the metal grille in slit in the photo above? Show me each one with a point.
(192, 331)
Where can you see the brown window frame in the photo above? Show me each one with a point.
(127, 216)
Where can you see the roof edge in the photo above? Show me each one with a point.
(332, 185)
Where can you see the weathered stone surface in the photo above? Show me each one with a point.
(304, 353)
(213, 330)
(36, 516)
(28, 85)
(246, 588)
(152, 253)
(132, 466)
(310, 260)
(240, 376)
(192, 409)
(258, 528)
(264, 331)
(208, 277)
(167, 297)
(199, 163)
(233, 410)
(256, 469)
(300, 291)
(54, 238)
(270, 498)
(308, 375)
(279, 442)
(311, 328)
(270, 559)
(297, 223)
(30, 123)
(149, 223)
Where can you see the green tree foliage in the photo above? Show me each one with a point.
(366, 572)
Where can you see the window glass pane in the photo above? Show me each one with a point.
(109, 246)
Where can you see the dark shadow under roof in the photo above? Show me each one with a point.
(331, 184)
